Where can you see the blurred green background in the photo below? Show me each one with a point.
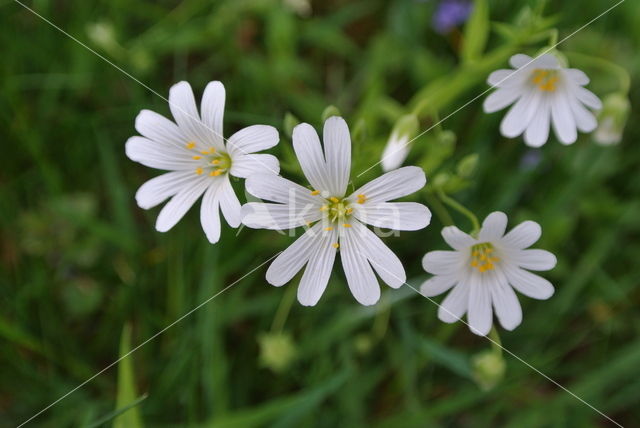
(84, 276)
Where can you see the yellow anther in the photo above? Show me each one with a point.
(215, 173)
(481, 257)
(328, 229)
(324, 208)
(315, 192)
(349, 210)
(199, 170)
(215, 162)
(191, 145)
(334, 199)
(346, 225)
(196, 157)
(209, 151)
(336, 245)
(545, 80)
(361, 199)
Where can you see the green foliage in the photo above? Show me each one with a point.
(79, 259)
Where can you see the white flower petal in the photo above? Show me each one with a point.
(506, 78)
(316, 274)
(534, 259)
(309, 153)
(537, 132)
(360, 277)
(588, 98)
(523, 235)
(577, 76)
(209, 212)
(562, 118)
(160, 129)
(519, 60)
(384, 261)
(183, 108)
(291, 260)
(505, 302)
(438, 285)
(337, 147)
(150, 153)
(454, 306)
(229, 203)
(257, 215)
(500, 99)
(480, 315)
(245, 165)
(457, 239)
(546, 60)
(443, 262)
(177, 207)
(392, 185)
(212, 109)
(585, 120)
(253, 139)
(519, 116)
(274, 188)
(528, 283)
(493, 227)
(162, 187)
(394, 215)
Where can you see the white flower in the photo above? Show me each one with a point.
(543, 93)
(339, 220)
(483, 271)
(198, 158)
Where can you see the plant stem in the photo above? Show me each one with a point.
(283, 310)
(461, 209)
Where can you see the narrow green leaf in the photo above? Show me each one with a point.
(476, 32)
(126, 386)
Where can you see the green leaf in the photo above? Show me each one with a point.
(126, 386)
(476, 32)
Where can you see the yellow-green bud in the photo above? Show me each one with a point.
(277, 351)
(488, 369)
(612, 119)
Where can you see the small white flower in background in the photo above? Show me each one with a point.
(397, 148)
(339, 220)
(544, 94)
(198, 158)
(612, 119)
(483, 272)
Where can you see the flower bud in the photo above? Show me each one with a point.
(397, 148)
(329, 112)
(488, 369)
(277, 351)
(612, 119)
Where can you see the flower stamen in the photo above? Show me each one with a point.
(482, 257)
(545, 80)
(361, 199)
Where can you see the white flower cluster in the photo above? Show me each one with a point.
(482, 271)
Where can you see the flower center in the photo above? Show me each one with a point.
(482, 257)
(336, 210)
(214, 163)
(545, 80)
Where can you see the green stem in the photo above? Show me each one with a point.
(587, 60)
(283, 310)
(461, 209)
(496, 343)
(439, 209)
